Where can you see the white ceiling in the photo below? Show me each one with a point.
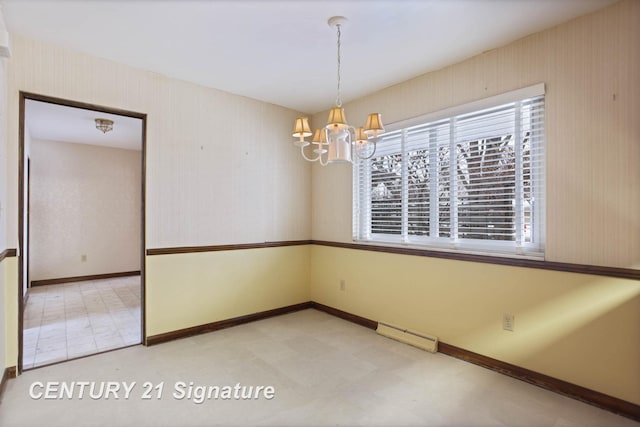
(68, 124)
(283, 52)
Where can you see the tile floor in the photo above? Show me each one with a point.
(70, 320)
(325, 372)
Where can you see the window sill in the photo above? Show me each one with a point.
(624, 273)
(482, 249)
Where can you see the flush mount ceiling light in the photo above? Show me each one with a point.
(104, 125)
(337, 141)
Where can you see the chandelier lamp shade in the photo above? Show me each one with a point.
(337, 141)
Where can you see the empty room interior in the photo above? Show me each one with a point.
(320, 213)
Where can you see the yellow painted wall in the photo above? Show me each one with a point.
(4, 333)
(582, 329)
(193, 289)
(9, 272)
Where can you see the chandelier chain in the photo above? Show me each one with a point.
(339, 97)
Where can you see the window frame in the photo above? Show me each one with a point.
(517, 248)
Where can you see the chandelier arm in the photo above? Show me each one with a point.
(307, 158)
(370, 155)
(325, 162)
(326, 137)
(352, 133)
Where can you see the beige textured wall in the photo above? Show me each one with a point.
(221, 168)
(85, 200)
(590, 67)
(4, 121)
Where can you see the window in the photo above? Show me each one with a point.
(468, 179)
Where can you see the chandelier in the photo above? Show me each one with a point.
(338, 141)
(104, 125)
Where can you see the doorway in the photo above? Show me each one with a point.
(81, 230)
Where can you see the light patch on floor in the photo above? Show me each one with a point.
(71, 320)
(325, 372)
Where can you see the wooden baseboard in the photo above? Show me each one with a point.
(592, 397)
(362, 321)
(7, 374)
(223, 324)
(83, 278)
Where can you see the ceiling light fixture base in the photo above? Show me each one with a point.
(334, 21)
(104, 125)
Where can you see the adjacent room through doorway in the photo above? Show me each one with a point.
(82, 272)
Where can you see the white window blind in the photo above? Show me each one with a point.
(472, 182)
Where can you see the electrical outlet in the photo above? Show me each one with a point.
(83, 258)
(342, 285)
(508, 321)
